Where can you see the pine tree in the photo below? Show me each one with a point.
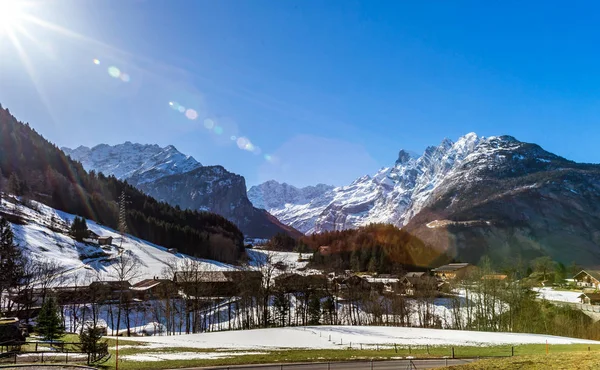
(91, 342)
(11, 259)
(314, 310)
(79, 229)
(49, 324)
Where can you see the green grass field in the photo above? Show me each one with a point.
(501, 353)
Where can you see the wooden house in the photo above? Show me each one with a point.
(149, 289)
(587, 279)
(590, 298)
(453, 271)
(293, 283)
(218, 283)
(105, 240)
(111, 290)
(414, 283)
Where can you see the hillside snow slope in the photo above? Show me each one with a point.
(87, 260)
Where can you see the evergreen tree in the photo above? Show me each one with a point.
(15, 185)
(314, 310)
(49, 324)
(281, 303)
(11, 259)
(79, 229)
(91, 342)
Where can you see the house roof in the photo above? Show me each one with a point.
(593, 273)
(451, 267)
(494, 277)
(414, 274)
(148, 284)
(591, 296)
(214, 276)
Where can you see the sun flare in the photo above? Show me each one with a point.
(11, 15)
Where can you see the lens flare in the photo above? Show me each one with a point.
(96, 62)
(191, 114)
(233, 138)
(181, 109)
(125, 77)
(242, 142)
(209, 123)
(114, 72)
(218, 130)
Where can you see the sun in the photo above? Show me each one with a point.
(11, 15)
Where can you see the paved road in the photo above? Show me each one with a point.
(363, 365)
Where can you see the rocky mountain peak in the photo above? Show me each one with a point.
(403, 157)
(137, 163)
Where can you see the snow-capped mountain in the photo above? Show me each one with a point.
(273, 195)
(497, 196)
(392, 195)
(178, 179)
(136, 163)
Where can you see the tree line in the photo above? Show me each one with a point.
(33, 168)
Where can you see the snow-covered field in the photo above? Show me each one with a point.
(318, 337)
(557, 295)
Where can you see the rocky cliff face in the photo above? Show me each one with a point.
(496, 196)
(136, 163)
(172, 177)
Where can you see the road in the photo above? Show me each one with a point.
(355, 365)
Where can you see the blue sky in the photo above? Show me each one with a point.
(319, 91)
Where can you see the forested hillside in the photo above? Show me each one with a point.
(33, 167)
(381, 248)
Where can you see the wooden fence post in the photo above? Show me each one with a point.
(452, 352)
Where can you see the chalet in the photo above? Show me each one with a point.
(218, 283)
(386, 282)
(453, 271)
(590, 298)
(292, 282)
(105, 240)
(111, 289)
(414, 283)
(588, 279)
(149, 289)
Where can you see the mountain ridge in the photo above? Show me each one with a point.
(455, 186)
(177, 179)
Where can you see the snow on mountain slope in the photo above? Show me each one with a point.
(137, 163)
(170, 176)
(86, 260)
(271, 194)
(394, 194)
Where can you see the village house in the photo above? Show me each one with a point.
(413, 283)
(150, 289)
(587, 279)
(105, 240)
(218, 283)
(453, 271)
(293, 282)
(590, 298)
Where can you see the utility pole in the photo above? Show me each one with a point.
(122, 231)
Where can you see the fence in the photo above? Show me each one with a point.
(412, 364)
(49, 352)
